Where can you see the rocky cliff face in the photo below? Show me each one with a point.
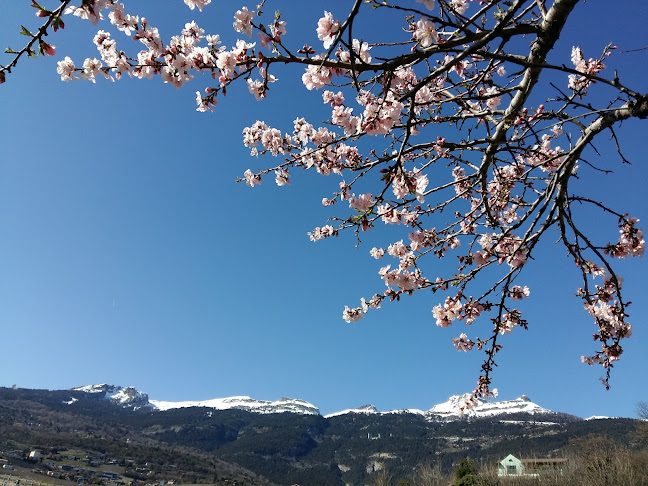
(124, 396)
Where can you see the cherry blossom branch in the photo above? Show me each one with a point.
(486, 193)
(54, 20)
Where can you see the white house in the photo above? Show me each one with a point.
(510, 466)
(35, 455)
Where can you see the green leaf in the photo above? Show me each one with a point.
(24, 31)
(9, 50)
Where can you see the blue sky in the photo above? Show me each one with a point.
(130, 256)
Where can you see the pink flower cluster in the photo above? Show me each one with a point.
(355, 314)
(580, 83)
(631, 240)
(453, 309)
(462, 343)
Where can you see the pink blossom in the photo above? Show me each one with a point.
(343, 118)
(428, 3)
(272, 140)
(334, 99)
(66, 69)
(518, 258)
(397, 249)
(377, 253)
(203, 105)
(480, 258)
(278, 29)
(462, 343)
(124, 22)
(509, 321)
(302, 130)
(471, 311)
(252, 179)
(362, 50)
(362, 202)
(243, 21)
(519, 293)
(425, 33)
(447, 313)
(92, 67)
(48, 49)
(282, 177)
(388, 214)
(463, 185)
(631, 242)
(494, 100)
(352, 315)
(192, 33)
(197, 3)
(90, 10)
(592, 66)
(460, 6)
(327, 27)
(213, 40)
(316, 77)
(321, 233)
(256, 88)
(421, 185)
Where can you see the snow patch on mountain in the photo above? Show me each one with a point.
(245, 403)
(371, 410)
(365, 409)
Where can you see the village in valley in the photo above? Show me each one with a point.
(80, 467)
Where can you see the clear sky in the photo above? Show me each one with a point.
(130, 256)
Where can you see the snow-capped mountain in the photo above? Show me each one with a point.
(124, 396)
(454, 408)
(245, 403)
(365, 409)
(371, 410)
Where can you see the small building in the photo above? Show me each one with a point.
(545, 465)
(35, 455)
(510, 466)
(109, 475)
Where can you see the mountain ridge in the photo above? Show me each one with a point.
(454, 408)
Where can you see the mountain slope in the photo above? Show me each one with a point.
(286, 448)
